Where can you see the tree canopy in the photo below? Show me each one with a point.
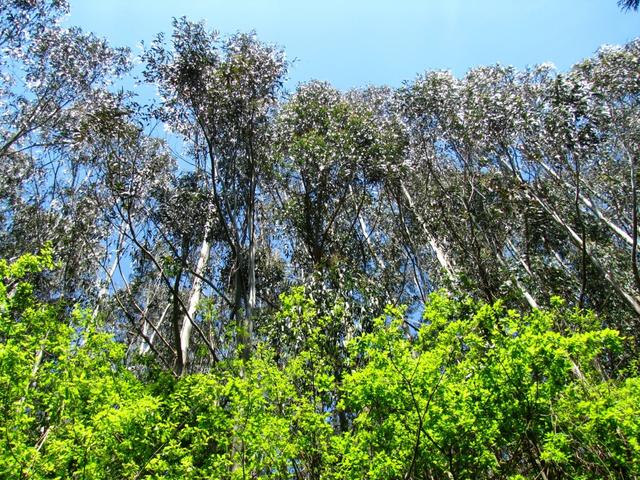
(233, 281)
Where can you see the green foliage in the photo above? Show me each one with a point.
(58, 377)
(505, 187)
(479, 391)
(484, 392)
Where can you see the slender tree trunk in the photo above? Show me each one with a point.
(520, 257)
(577, 240)
(634, 215)
(145, 346)
(104, 289)
(441, 255)
(175, 324)
(591, 205)
(250, 295)
(629, 299)
(367, 236)
(525, 293)
(196, 292)
(178, 309)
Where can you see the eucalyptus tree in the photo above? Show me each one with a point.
(219, 96)
(132, 172)
(53, 79)
(321, 174)
(334, 151)
(492, 116)
(21, 20)
(409, 258)
(611, 183)
(442, 191)
(568, 158)
(520, 157)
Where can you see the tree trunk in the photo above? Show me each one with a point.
(367, 236)
(441, 255)
(594, 208)
(576, 239)
(629, 299)
(104, 289)
(194, 297)
(250, 294)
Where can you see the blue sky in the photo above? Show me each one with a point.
(357, 43)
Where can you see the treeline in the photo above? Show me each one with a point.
(230, 242)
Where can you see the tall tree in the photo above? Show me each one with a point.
(53, 81)
(219, 95)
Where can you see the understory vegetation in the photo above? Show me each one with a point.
(232, 281)
(478, 391)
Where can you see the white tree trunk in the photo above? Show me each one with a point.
(525, 293)
(144, 345)
(441, 254)
(630, 299)
(367, 236)
(105, 284)
(593, 207)
(196, 292)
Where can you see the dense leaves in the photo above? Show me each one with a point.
(480, 391)
(434, 281)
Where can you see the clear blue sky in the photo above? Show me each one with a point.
(353, 43)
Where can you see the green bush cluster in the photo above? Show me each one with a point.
(479, 391)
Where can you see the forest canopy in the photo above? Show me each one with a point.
(438, 280)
